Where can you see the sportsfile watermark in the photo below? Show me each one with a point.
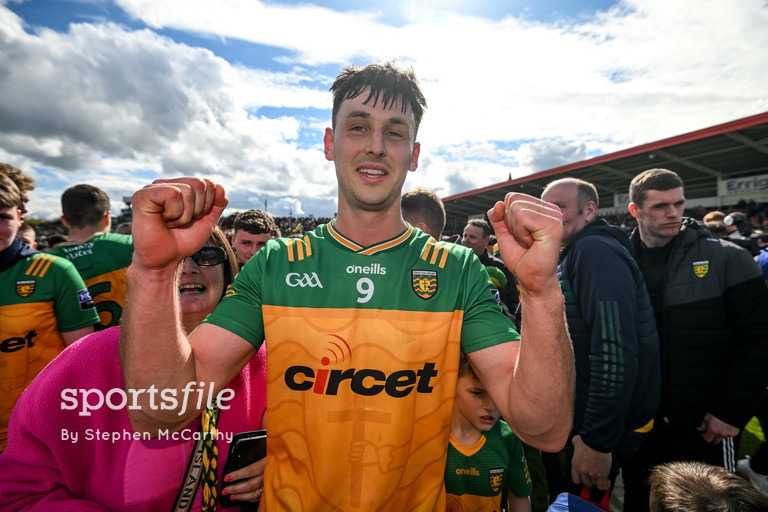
(194, 394)
(95, 434)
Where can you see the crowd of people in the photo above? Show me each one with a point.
(393, 366)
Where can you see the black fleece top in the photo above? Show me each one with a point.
(612, 326)
(713, 328)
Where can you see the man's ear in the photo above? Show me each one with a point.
(422, 226)
(415, 157)
(328, 143)
(590, 211)
(632, 207)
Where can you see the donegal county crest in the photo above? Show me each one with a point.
(424, 283)
(25, 288)
(700, 268)
(496, 479)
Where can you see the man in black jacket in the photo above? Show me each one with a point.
(711, 306)
(616, 347)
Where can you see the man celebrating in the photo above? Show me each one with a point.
(252, 230)
(711, 307)
(616, 347)
(363, 337)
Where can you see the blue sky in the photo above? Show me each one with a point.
(118, 93)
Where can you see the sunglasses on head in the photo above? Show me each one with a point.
(209, 256)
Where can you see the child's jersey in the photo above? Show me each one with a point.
(362, 359)
(102, 261)
(42, 296)
(475, 475)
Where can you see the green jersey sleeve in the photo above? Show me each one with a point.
(240, 310)
(73, 306)
(485, 324)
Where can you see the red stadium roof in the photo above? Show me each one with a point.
(731, 150)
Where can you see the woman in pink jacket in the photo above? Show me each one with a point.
(71, 446)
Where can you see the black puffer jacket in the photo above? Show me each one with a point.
(714, 330)
(612, 326)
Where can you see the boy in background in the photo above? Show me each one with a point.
(485, 458)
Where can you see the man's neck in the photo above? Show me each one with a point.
(82, 235)
(369, 228)
(652, 242)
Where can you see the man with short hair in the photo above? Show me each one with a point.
(616, 346)
(476, 235)
(423, 209)
(711, 308)
(24, 183)
(363, 318)
(252, 230)
(100, 256)
(44, 306)
(28, 235)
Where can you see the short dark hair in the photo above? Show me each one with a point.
(384, 81)
(482, 224)
(27, 228)
(652, 179)
(586, 191)
(421, 205)
(22, 181)
(688, 486)
(84, 205)
(255, 222)
(9, 193)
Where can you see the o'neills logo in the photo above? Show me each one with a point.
(361, 381)
(424, 283)
(373, 268)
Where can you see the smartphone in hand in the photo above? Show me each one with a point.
(245, 449)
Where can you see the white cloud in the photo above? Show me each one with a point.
(547, 154)
(102, 101)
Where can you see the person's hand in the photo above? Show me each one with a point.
(249, 489)
(529, 232)
(714, 430)
(589, 467)
(172, 218)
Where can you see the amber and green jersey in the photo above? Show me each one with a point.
(41, 296)
(477, 475)
(363, 349)
(102, 261)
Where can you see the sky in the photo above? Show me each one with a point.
(119, 93)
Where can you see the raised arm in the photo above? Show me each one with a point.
(532, 381)
(171, 220)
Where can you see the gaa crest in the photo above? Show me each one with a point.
(496, 479)
(700, 268)
(25, 288)
(424, 283)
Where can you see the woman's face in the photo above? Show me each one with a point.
(200, 287)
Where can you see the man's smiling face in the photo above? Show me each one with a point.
(373, 148)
